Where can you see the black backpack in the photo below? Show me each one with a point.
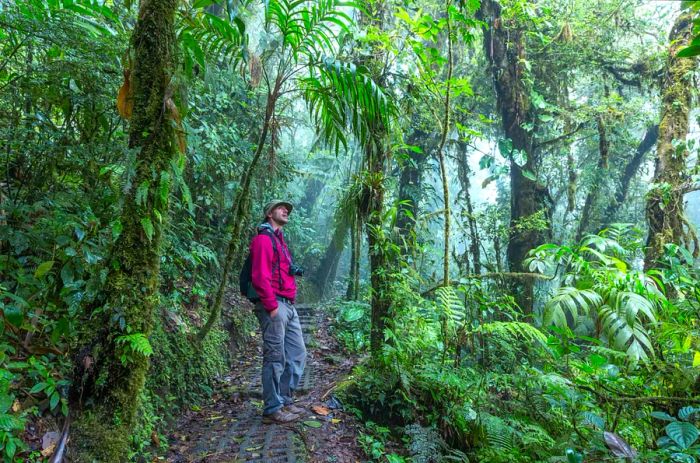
(245, 280)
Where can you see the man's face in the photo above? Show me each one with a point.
(280, 215)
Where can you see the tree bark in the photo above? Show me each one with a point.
(105, 390)
(648, 141)
(464, 172)
(325, 274)
(410, 193)
(600, 173)
(505, 48)
(665, 210)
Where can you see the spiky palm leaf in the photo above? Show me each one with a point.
(572, 303)
(206, 37)
(341, 95)
(308, 26)
(622, 315)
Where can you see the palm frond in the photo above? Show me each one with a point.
(568, 304)
(309, 28)
(205, 37)
(342, 96)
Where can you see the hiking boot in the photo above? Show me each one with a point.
(291, 408)
(280, 417)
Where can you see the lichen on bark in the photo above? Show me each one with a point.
(665, 210)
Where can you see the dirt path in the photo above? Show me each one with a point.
(230, 429)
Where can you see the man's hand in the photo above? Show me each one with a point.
(273, 313)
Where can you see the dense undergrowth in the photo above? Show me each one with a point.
(578, 380)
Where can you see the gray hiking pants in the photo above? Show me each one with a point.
(284, 355)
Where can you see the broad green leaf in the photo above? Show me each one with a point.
(43, 268)
(14, 315)
(683, 433)
(686, 413)
(688, 52)
(662, 416)
(38, 388)
(53, 401)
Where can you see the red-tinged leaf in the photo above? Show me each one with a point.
(320, 410)
(125, 97)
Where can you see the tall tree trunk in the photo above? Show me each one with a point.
(325, 274)
(105, 390)
(598, 176)
(665, 209)
(241, 208)
(505, 48)
(464, 172)
(648, 141)
(313, 190)
(353, 290)
(373, 198)
(443, 168)
(410, 193)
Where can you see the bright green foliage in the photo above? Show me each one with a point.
(619, 301)
(680, 441)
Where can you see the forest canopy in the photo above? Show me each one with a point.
(496, 206)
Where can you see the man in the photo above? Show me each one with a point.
(284, 352)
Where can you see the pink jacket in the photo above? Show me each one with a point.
(270, 279)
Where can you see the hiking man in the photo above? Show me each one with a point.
(284, 352)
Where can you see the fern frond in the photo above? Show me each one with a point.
(499, 434)
(449, 303)
(515, 331)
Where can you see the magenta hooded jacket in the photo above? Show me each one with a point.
(268, 280)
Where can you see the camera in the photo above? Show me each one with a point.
(296, 270)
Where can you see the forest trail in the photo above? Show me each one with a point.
(229, 428)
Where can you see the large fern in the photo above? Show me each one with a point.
(516, 331)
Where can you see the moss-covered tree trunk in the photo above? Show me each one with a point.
(110, 371)
(504, 45)
(665, 209)
(371, 198)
